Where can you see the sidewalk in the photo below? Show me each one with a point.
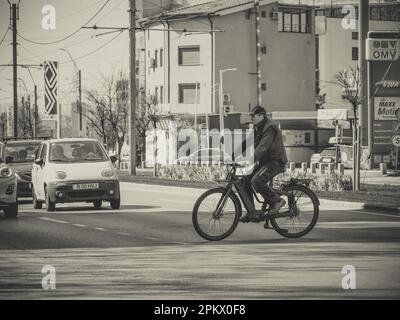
(379, 197)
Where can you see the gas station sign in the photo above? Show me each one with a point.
(383, 49)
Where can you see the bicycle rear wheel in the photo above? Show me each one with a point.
(302, 205)
(216, 216)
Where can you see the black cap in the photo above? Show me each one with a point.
(258, 110)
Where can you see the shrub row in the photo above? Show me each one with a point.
(329, 182)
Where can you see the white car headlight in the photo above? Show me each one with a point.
(61, 175)
(5, 172)
(107, 173)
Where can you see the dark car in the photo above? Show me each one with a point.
(19, 156)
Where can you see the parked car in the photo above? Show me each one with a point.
(74, 170)
(325, 157)
(8, 191)
(210, 155)
(19, 156)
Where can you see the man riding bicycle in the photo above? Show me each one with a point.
(270, 159)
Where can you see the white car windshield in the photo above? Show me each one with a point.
(82, 151)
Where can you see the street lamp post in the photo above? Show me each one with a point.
(221, 109)
(77, 74)
(14, 7)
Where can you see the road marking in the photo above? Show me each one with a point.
(123, 234)
(358, 224)
(54, 220)
(80, 225)
(375, 213)
(100, 229)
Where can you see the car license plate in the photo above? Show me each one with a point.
(85, 186)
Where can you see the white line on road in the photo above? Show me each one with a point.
(358, 224)
(100, 229)
(80, 225)
(53, 220)
(123, 234)
(375, 213)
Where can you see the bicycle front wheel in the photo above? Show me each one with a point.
(303, 208)
(215, 215)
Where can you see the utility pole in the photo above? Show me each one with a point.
(258, 51)
(80, 100)
(36, 113)
(132, 80)
(15, 76)
(363, 25)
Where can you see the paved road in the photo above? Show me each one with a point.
(149, 250)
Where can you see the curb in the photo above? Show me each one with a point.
(356, 206)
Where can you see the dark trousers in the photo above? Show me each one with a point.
(260, 181)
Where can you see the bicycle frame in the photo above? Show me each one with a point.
(234, 181)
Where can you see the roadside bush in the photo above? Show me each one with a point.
(333, 182)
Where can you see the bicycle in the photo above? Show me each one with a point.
(222, 216)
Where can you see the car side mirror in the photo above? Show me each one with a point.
(9, 159)
(39, 162)
(113, 159)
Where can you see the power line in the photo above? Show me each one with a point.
(72, 34)
(1, 41)
(95, 50)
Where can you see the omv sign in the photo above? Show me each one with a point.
(383, 49)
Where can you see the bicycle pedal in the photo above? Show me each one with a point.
(266, 225)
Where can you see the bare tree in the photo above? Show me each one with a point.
(107, 111)
(3, 124)
(349, 81)
(148, 116)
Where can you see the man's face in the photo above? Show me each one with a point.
(257, 118)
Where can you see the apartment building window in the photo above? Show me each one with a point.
(161, 94)
(156, 59)
(187, 93)
(354, 35)
(156, 93)
(307, 138)
(161, 57)
(293, 21)
(354, 53)
(189, 56)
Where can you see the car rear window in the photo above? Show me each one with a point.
(328, 153)
(20, 153)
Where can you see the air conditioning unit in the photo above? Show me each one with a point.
(228, 109)
(274, 15)
(227, 97)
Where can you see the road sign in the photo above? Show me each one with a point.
(50, 88)
(396, 140)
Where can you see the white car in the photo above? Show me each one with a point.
(74, 170)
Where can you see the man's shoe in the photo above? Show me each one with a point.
(277, 206)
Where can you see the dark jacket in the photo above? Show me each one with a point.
(268, 143)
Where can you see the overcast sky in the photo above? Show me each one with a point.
(70, 16)
(84, 46)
